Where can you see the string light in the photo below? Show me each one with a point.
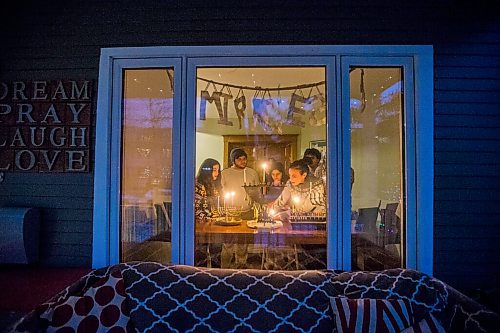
(278, 88)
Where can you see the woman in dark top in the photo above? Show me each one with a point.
(206, 192)
(207, 189)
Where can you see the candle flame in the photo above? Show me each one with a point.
(296, 199)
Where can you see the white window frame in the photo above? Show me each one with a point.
(416, 59)
(328, 62)
(107, 174)
(410, 143)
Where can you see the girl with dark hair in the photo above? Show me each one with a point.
(277, 174)
(207, 189)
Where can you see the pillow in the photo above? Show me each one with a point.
(102, 308)
(371, 315)
(427, 325)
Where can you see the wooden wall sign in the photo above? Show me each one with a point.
(45, 125)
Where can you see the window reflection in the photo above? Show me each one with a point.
(259, 126)
(146, 179)
(376, 174)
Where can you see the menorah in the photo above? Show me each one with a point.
(229, 212)
(262, 195)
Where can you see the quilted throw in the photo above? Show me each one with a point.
(150, 297)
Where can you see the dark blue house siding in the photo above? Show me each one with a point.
(56, 39)
(467, 150)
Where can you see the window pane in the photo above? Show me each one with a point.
(253, 126)
(146, 181)
(376, 161)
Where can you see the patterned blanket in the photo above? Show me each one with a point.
(150, 297)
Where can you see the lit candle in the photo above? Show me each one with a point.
(295, 201)
(272, 213)
(245, 176)
(218, 202)
(226, 196)
(232, 199)
(264, 167)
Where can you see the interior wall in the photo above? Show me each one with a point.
(310, 133)
(376, 132)
(212, 146)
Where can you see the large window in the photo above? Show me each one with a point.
(377, 219)
(146, 172)
(261, 174)
(192, 142)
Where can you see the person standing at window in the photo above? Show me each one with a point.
(207, 190)
(206, 194)
(233, 179)
(303, 194)
(317, 165)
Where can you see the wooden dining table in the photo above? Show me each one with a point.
(210, 232)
